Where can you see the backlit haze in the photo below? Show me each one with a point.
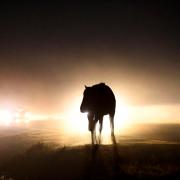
(48, 52)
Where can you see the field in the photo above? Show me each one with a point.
(37, 153)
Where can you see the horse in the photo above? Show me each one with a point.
(98, 100)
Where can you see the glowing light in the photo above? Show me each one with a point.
(6, 117)
(122, 116)
(17, 115)
(17, 121)
(28, 117)
(37, 117)
(77, 123)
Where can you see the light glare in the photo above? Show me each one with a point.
(6, 117)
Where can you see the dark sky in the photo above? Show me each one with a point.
(48, 51)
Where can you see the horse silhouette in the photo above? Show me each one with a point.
(99, 100)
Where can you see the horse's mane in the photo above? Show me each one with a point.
(99, 85)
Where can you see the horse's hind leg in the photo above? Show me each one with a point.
(100, 128)
(92, 137)
(112, 128)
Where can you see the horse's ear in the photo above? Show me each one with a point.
(85, 86)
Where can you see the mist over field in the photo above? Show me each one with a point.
(56, 132)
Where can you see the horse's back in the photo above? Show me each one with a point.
(104, 98)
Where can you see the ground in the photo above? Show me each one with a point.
(39, 152)
(136, 161)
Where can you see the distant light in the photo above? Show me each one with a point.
(6, 117)
(17, 121)
(26, 121)
(17, 115)
(27, 115)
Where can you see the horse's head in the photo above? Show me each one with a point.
(86, 104)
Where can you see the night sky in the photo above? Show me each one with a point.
(49, 51)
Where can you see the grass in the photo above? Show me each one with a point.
(135, 161)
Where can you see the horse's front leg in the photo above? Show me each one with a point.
(93, 132)
(93, 137)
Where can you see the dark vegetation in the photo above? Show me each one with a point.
(135, 161)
